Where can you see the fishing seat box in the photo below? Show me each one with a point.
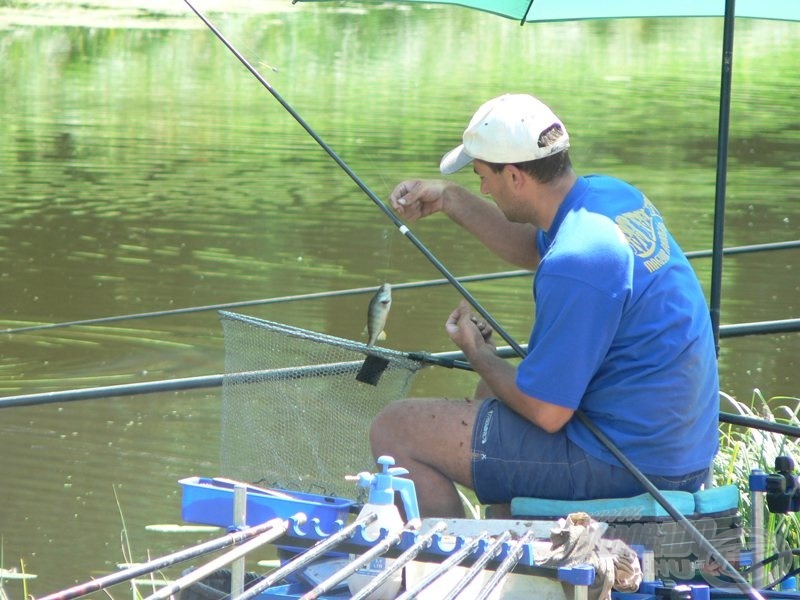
(642, 523)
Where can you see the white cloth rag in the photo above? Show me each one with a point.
(577, 540)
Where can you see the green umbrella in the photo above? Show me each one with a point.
(568, 10)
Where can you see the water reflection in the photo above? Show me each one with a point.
(144, 169)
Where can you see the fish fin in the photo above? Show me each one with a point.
(382, 335)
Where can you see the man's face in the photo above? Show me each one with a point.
(491, 181)
(498, 186)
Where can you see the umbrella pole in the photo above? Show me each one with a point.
(722, 167)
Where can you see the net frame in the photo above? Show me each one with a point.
(296, 409)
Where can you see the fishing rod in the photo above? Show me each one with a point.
(450, 359)
(726, 568)
(203, 571)
(509, 562)
(301, 561)
(725, 331)
(748, 249)
(354, 565)
(752, 248)
(480, 564)
(102, 583)
(402, 228)
(723, 131)
(759, 328)
(264, 301)
(422, 541)
(453, 560)
(444, 359)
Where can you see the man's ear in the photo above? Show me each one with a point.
(515, 175)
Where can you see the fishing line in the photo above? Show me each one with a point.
(386, 235)
(377, 201)
(742, 329)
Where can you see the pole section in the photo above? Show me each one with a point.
(722, 168)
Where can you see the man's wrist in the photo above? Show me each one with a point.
(450, 198)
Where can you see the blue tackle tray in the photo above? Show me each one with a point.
(209, 501)
(295, 591)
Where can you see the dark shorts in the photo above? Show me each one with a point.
(513, 457)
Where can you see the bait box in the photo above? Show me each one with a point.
(210, 502)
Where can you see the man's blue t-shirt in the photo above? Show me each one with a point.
(622, 331)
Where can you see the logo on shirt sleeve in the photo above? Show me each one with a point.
(646, 234)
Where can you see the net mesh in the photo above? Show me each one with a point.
(296, 406)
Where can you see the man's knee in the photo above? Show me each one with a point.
(382, 430)
(377, 429)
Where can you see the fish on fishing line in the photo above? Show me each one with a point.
(377, 313)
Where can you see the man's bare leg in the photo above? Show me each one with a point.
(483, 391)
(432, 438)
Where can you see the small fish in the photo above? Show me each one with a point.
(378, 312)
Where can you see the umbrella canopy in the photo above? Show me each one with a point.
(562, 10)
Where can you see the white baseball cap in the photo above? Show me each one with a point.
(506, 130)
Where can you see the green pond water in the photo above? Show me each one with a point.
(142, 169)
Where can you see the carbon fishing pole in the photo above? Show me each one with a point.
(479, 565)
(354, 565)
(453, 560)
(452, 360)
(361, 290)
(377, 201)
(723, 132)
(422, 541)
(509, 562)
(307, 557)
(726, 568)
(203, 571)
(446, 359)
(264, 301)
(102, 583)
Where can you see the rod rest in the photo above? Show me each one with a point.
(443, 544)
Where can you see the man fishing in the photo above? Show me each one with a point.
(622, 333)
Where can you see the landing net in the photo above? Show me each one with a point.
(296, 404)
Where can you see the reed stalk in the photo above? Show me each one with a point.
(743, 450)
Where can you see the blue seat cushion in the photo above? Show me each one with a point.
(643, 506)
(712, 501)
(717, 500)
